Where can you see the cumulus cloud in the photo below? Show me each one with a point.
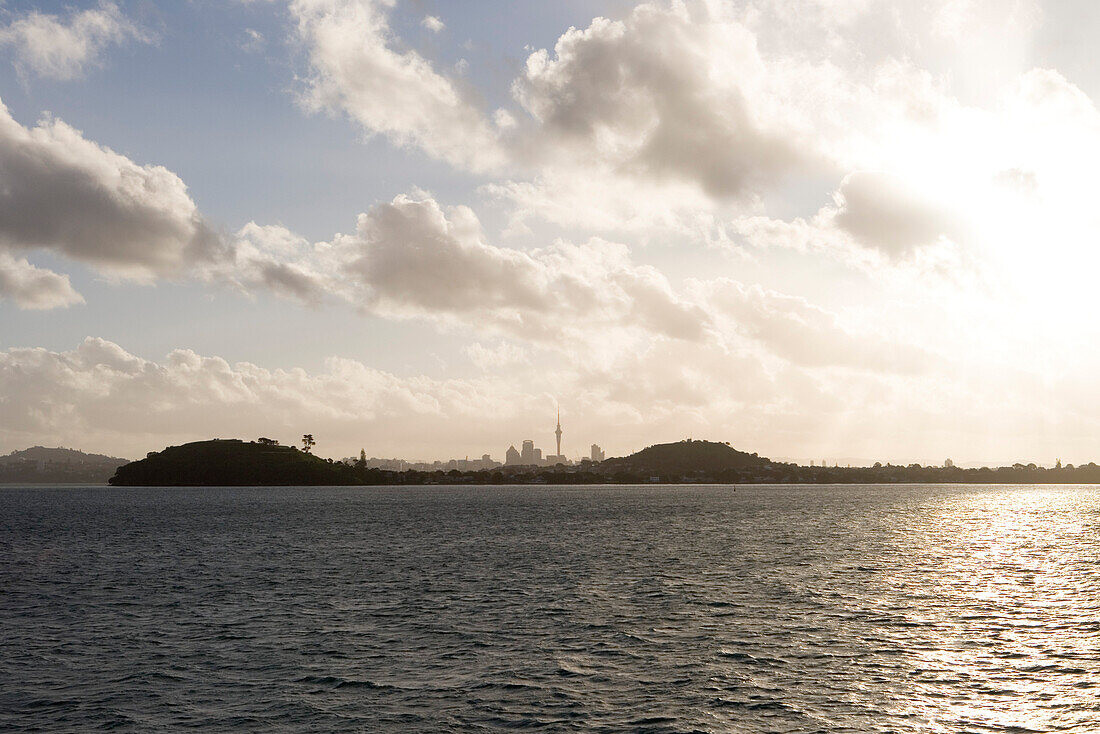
(432, 23)
(410, 257)
(32, 287)
(63, 48)
(669, 116)
(271, 257)
(62, 192)
(667, 93)
(359, 69)
(669, 109)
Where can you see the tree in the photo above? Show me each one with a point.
(362, 463)
(307, 442)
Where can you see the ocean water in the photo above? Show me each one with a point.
(627, 609)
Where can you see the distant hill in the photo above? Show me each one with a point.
(684, 458)
(41, 453)
(232, 463)
(42, 465)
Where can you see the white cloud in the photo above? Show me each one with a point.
(270, 257)
(64, 48)
(671, 118)
(62, 192)
(31, 287)
(667, 93)
(357, 69)
(412, 258)
(432, 23)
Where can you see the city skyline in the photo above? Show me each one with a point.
(813, 229)
(530, 455)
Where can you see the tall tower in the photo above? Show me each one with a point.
(557, 431)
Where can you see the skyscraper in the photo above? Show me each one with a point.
(557, 432)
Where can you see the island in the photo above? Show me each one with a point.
(233, 462)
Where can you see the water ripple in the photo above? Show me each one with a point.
(651, 609)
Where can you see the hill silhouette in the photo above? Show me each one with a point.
(43, 465)
(231, 463)
(61, 455)
(684, 458)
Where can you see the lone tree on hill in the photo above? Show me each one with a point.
(307, 442)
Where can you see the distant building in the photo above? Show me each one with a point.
(597, 453)
(557, 432)
(529, 455)
(948, 464)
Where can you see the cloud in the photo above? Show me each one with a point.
(30, 287)
(665, 93)
(667, 118)
(63, 49)
(62, 192)
(880, 211)
(411, 258)
(492, 358)
(669, 109)
(272, 258)
(432, 23)
(685, 114)
(807, 335)
(358, 70)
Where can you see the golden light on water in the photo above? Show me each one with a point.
(1011, 617)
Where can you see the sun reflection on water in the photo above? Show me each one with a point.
(1004, 622)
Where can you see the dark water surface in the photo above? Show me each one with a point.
(659, 609)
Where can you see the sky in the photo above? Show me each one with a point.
(839, 230)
